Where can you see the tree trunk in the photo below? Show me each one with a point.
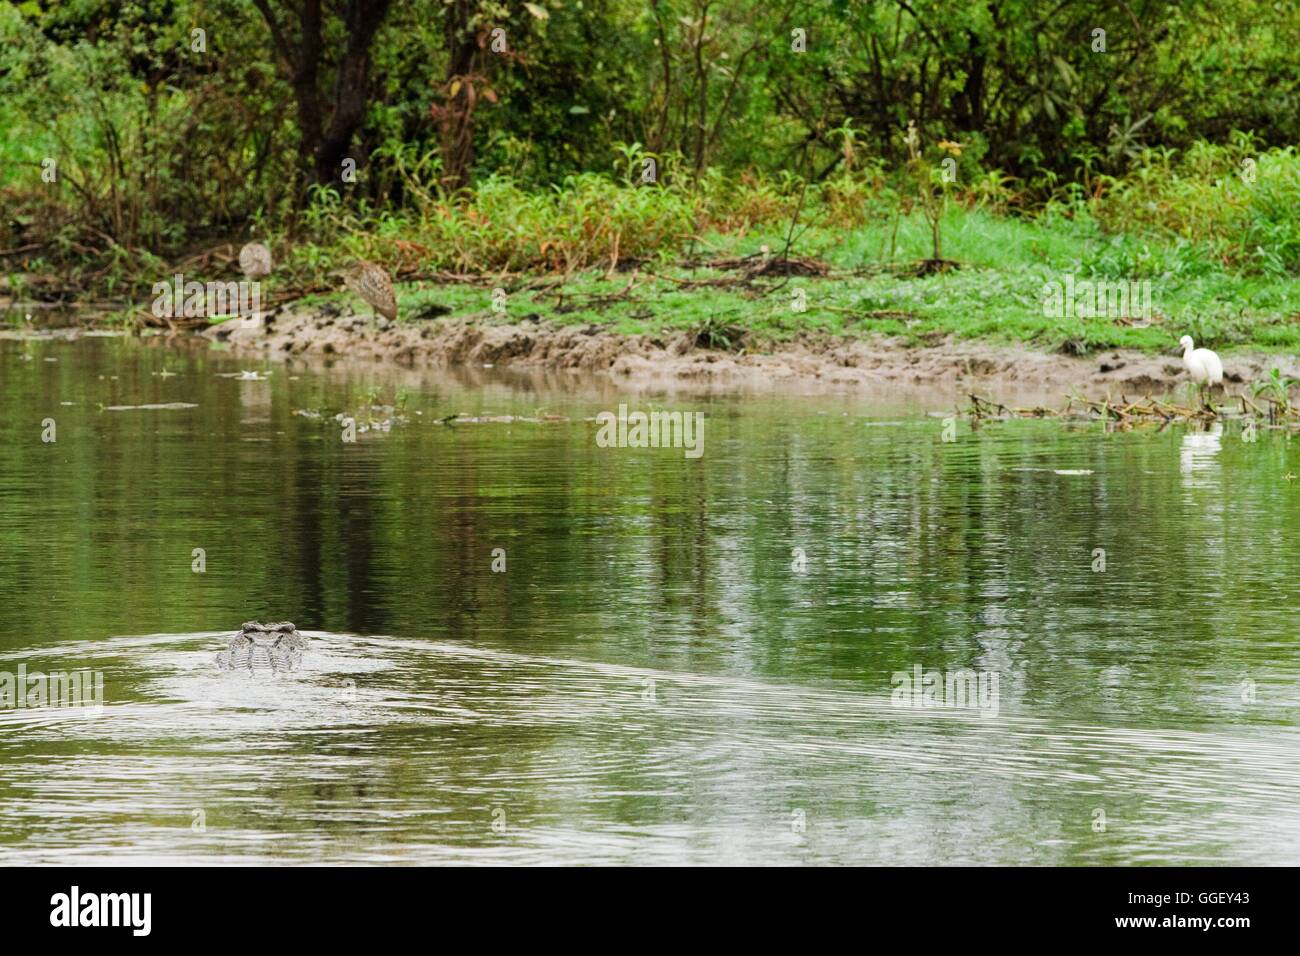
(456, 116)
(351, 87)
(322, 148)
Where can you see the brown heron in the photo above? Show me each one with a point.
(374, 285)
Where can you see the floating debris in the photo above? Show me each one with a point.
(366, 422)
(1145, 411)
(1055, 471)
(503, 419)
(165, 406)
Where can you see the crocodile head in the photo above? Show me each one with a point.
(279, 645)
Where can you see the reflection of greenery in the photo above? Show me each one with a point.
(917, 549)
(966, 554)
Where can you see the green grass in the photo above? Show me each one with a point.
(996, 295)
(551, 251)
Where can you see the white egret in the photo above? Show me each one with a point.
(1202, 364)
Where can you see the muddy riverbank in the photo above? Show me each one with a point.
(810, 362)
(872, 365)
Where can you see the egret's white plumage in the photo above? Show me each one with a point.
(1202, 364)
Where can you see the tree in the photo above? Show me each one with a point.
(466, 63)
(301, 49)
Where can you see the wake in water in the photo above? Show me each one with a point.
(423, 741)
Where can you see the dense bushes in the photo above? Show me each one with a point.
(162, 147)
(1239, 203)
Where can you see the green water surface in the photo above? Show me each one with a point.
(683, 660)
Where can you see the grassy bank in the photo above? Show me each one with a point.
(748, 262)
(625, 165)
(859, 277)
(996, 294)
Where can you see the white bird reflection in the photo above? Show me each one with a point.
(1198, 460)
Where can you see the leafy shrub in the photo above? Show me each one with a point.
(1241, 204)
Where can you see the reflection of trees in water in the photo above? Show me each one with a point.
(966, 554)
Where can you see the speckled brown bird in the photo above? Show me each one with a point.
(255, 261)
(374, 285)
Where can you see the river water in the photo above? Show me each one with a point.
(527, 648)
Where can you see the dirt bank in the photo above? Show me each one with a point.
(1003, 371)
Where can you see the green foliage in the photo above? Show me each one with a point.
(1239, 203)
(151, 147)
(1127, 157)
(720, 85)
(1276, 386)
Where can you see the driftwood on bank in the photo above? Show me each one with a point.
(1126, 413)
